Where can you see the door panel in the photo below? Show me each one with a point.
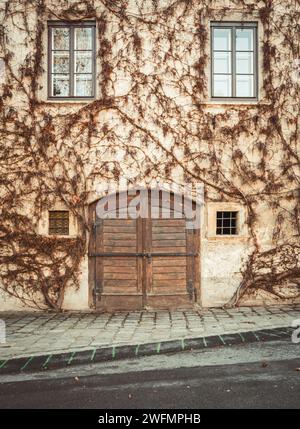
(138, 263)
(168, 277)
(119, 275)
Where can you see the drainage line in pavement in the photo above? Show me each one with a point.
(220, 336)
(3, 363)
(71, 358)
(27, 363)
(242, 338)
(93, 354)
(257, 338)
(46, 362)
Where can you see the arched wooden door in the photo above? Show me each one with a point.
(144, 262)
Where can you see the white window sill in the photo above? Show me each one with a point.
(234, 102)
(67, 101)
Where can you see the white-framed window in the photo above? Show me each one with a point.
(71, 60)
(234, 60)
(226, 221)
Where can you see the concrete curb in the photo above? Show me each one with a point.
(62, 360)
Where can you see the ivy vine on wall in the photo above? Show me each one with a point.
(157, 123)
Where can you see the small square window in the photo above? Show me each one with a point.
(59, 222)
(226, 223)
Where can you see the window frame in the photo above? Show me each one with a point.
(51, 219)
(230, 218)
(234, 25)
(72, 25)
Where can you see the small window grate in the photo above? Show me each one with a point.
(59, 222)
(226, 223)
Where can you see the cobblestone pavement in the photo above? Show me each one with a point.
(29, 334)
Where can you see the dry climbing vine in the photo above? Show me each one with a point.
(156, 124)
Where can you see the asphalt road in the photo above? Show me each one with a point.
(253, 376)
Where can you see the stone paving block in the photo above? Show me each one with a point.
(29, 333)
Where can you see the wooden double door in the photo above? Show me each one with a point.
(143, 263)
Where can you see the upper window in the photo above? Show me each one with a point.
(234, 60)
(71, 60)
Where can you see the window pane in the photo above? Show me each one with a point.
(60, 85)
(222, 62)
(244, 86)
(244, 62)
(222, 39)
(222, 86)
(83, 38)
(60, 62)
(83, 85)
(226, 223)
(244, 39)
(226, 231)
(83, 62)
(60, 38)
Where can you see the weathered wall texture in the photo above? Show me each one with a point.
(152, 119)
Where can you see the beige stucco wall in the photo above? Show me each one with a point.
(222, 258)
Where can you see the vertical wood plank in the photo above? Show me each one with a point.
(190, 272)
(99, 260)
(197, 267)
(91, 249)
(149, 262)
(139, 260)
